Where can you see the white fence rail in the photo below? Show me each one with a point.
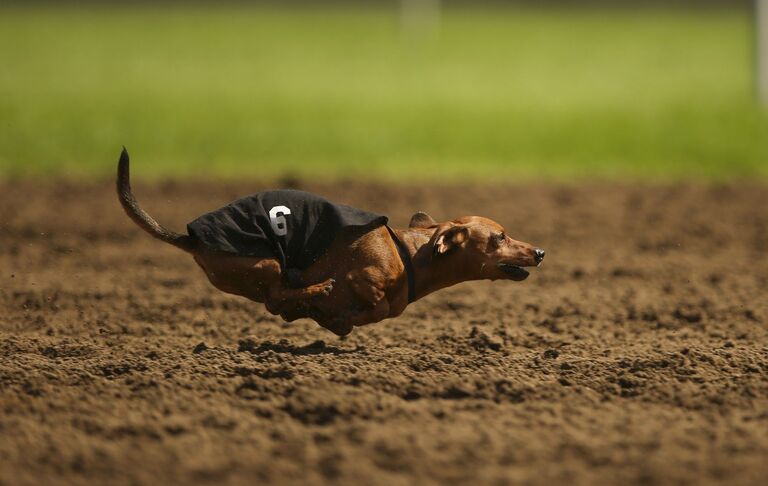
(761, 51)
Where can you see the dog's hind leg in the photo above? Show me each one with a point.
(278, 294)
(261, 280)
(245, 276)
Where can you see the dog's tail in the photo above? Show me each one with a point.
(138, 215)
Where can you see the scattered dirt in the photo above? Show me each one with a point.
(637, 354)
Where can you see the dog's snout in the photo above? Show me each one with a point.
(538, 254)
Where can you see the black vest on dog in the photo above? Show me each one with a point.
(294, 227)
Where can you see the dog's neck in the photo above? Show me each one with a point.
(431, 274)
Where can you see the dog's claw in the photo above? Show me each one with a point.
(329, 287)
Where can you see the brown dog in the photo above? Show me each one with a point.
(366, 274)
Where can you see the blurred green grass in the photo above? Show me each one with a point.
(495, 94)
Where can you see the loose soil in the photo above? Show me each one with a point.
(637, 354)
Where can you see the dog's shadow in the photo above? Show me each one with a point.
(284, 347)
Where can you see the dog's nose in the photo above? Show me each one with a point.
(538, 254)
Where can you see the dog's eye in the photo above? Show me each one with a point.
(501, 238)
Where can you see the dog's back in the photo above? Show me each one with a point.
(295, 227)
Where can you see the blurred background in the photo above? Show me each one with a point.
(403, 90)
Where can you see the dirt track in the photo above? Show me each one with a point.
(638, 353)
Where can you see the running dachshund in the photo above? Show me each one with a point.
(303, 256)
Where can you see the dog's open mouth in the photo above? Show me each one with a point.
(515, 273)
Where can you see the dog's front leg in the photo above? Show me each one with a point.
(368, 285)
(346, 321)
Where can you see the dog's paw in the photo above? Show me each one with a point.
(328, 287)
(339, 327)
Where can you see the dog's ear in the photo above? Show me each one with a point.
(448, 239)
(422, 220)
